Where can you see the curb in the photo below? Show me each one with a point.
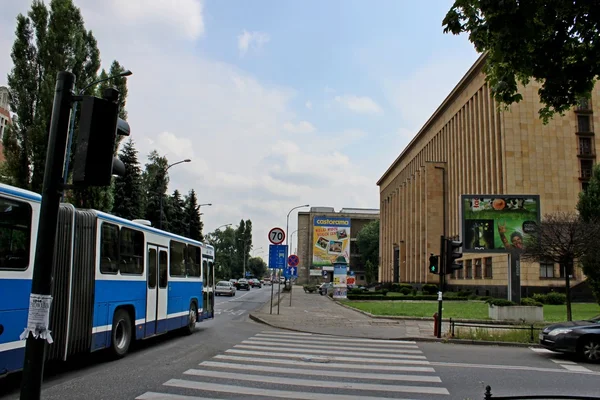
(415, 339)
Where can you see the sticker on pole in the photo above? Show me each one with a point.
(38, 318)
(276, 235)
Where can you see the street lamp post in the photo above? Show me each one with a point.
(72, 124)
(225, 225)
(162, 195)
(287, 225)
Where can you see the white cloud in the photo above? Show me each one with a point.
(361, 105)
(249, 40)
(308, 105)
(300, 127)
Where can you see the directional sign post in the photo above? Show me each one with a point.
(293, 262)
(277, 260)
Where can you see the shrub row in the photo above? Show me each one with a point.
(553, 298)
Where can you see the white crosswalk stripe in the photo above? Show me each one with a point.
(289, 365)
(568, 365)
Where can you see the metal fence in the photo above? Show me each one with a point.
(530, 328)
(488, 396)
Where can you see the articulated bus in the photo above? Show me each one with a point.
(114, 280)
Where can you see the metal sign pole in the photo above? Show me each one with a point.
(278, 291)
(272, 289)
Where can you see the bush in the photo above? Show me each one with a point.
(501, 302)
(540, 298)
(429, 289)
(464, 293)
(527, 301)
(355, 291)
(405, 291)
(556, 298)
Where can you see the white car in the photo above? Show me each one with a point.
(225, 288)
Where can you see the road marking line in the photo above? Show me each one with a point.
(312, 372)
(316, 346)
(324, 365)
(340, 339)
(289, 333)
(405, 353)
(251, 391)
(335, 358)
(509, 367)
(576, 368)
(324, 343)
(563, 362)
(314, 383)
(168, 396)
(540, 350)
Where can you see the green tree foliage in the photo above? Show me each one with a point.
(128, 189)
(177, 214)
(192, 217)
(224, 242)
(555, 42)
(589, 211)
(257, 267)
(243, 235)
(367, 241)
(156, 181)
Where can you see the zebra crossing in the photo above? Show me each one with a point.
(566, 364)
(231, 311)
(289, 365)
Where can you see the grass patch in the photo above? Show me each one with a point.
(465, 309)
(497, 335)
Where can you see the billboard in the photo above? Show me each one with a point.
(331, 239)
(498, 223)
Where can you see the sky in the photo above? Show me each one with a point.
(277, 103)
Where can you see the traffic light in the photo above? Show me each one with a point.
(453, 254)
(434, 266)
(99, 126)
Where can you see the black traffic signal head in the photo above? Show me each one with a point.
(434, 266)
(453, 253)
(99, 126)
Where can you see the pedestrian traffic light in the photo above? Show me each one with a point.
(453, 254)
(434, 266)
(99, 126)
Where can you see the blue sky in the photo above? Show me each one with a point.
(277, 103)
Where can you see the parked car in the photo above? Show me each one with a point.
(324, 287)
(225, 288)
(242, 284)
(577, 337)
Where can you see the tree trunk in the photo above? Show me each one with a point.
(567, 269)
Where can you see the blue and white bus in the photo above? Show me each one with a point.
(114, 280)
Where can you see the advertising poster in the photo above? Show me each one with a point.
(498, 224)
(331, 239)
(340, 287)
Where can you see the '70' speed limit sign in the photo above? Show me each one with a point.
(276, 235)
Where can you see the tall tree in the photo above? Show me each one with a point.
(563, 238)
(257, 267)
(224, 242)
(128, 189)
(243, 246)
(47, 41)
(367, 242)
(177, 214)
(192, 215)
(589, 211)
(554, 42)
(156, 181)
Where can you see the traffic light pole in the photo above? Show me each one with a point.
(37, 332)
(442, 271)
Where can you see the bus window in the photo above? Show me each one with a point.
(152, 269)
(162, 269)
(178, 251)
(132, 252)
(193, 263)
(211, 274)
(15, 234)
(109, 248)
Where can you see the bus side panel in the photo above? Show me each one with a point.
(181, 294)
(13, 321)
(82, 299)
(61, 283)
(115, 293)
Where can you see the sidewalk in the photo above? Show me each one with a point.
(313, 313)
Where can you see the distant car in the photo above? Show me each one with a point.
(225, 288)
(255, 283)
(242, 284)
(579, 337)
(324, 287)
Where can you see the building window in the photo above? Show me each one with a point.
(488, 268)
(478, 272)
(586, 169)
(583, 123)
(585, 146)
(461, 272)
(546, 270)
(584, 104)
(469, 269)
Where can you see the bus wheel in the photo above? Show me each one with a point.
(121, 333)
(192, 318)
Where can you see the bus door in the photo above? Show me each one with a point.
(207, 295)
(156, 298)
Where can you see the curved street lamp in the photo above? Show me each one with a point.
(225, 225)
(288, 222)
(162, 195)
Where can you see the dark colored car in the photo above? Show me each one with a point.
(242, 284)
(579, 337)
(255, 283)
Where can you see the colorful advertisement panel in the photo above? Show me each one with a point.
(498, 223)
(331, 239)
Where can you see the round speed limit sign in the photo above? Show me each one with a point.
(276, 235)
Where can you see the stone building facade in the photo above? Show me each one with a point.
(469, 146)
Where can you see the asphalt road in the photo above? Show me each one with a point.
(235, 358)
(93, 376)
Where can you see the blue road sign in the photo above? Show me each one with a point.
(294, 271)
(351, 273)
(324, 273)
(277, 256)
